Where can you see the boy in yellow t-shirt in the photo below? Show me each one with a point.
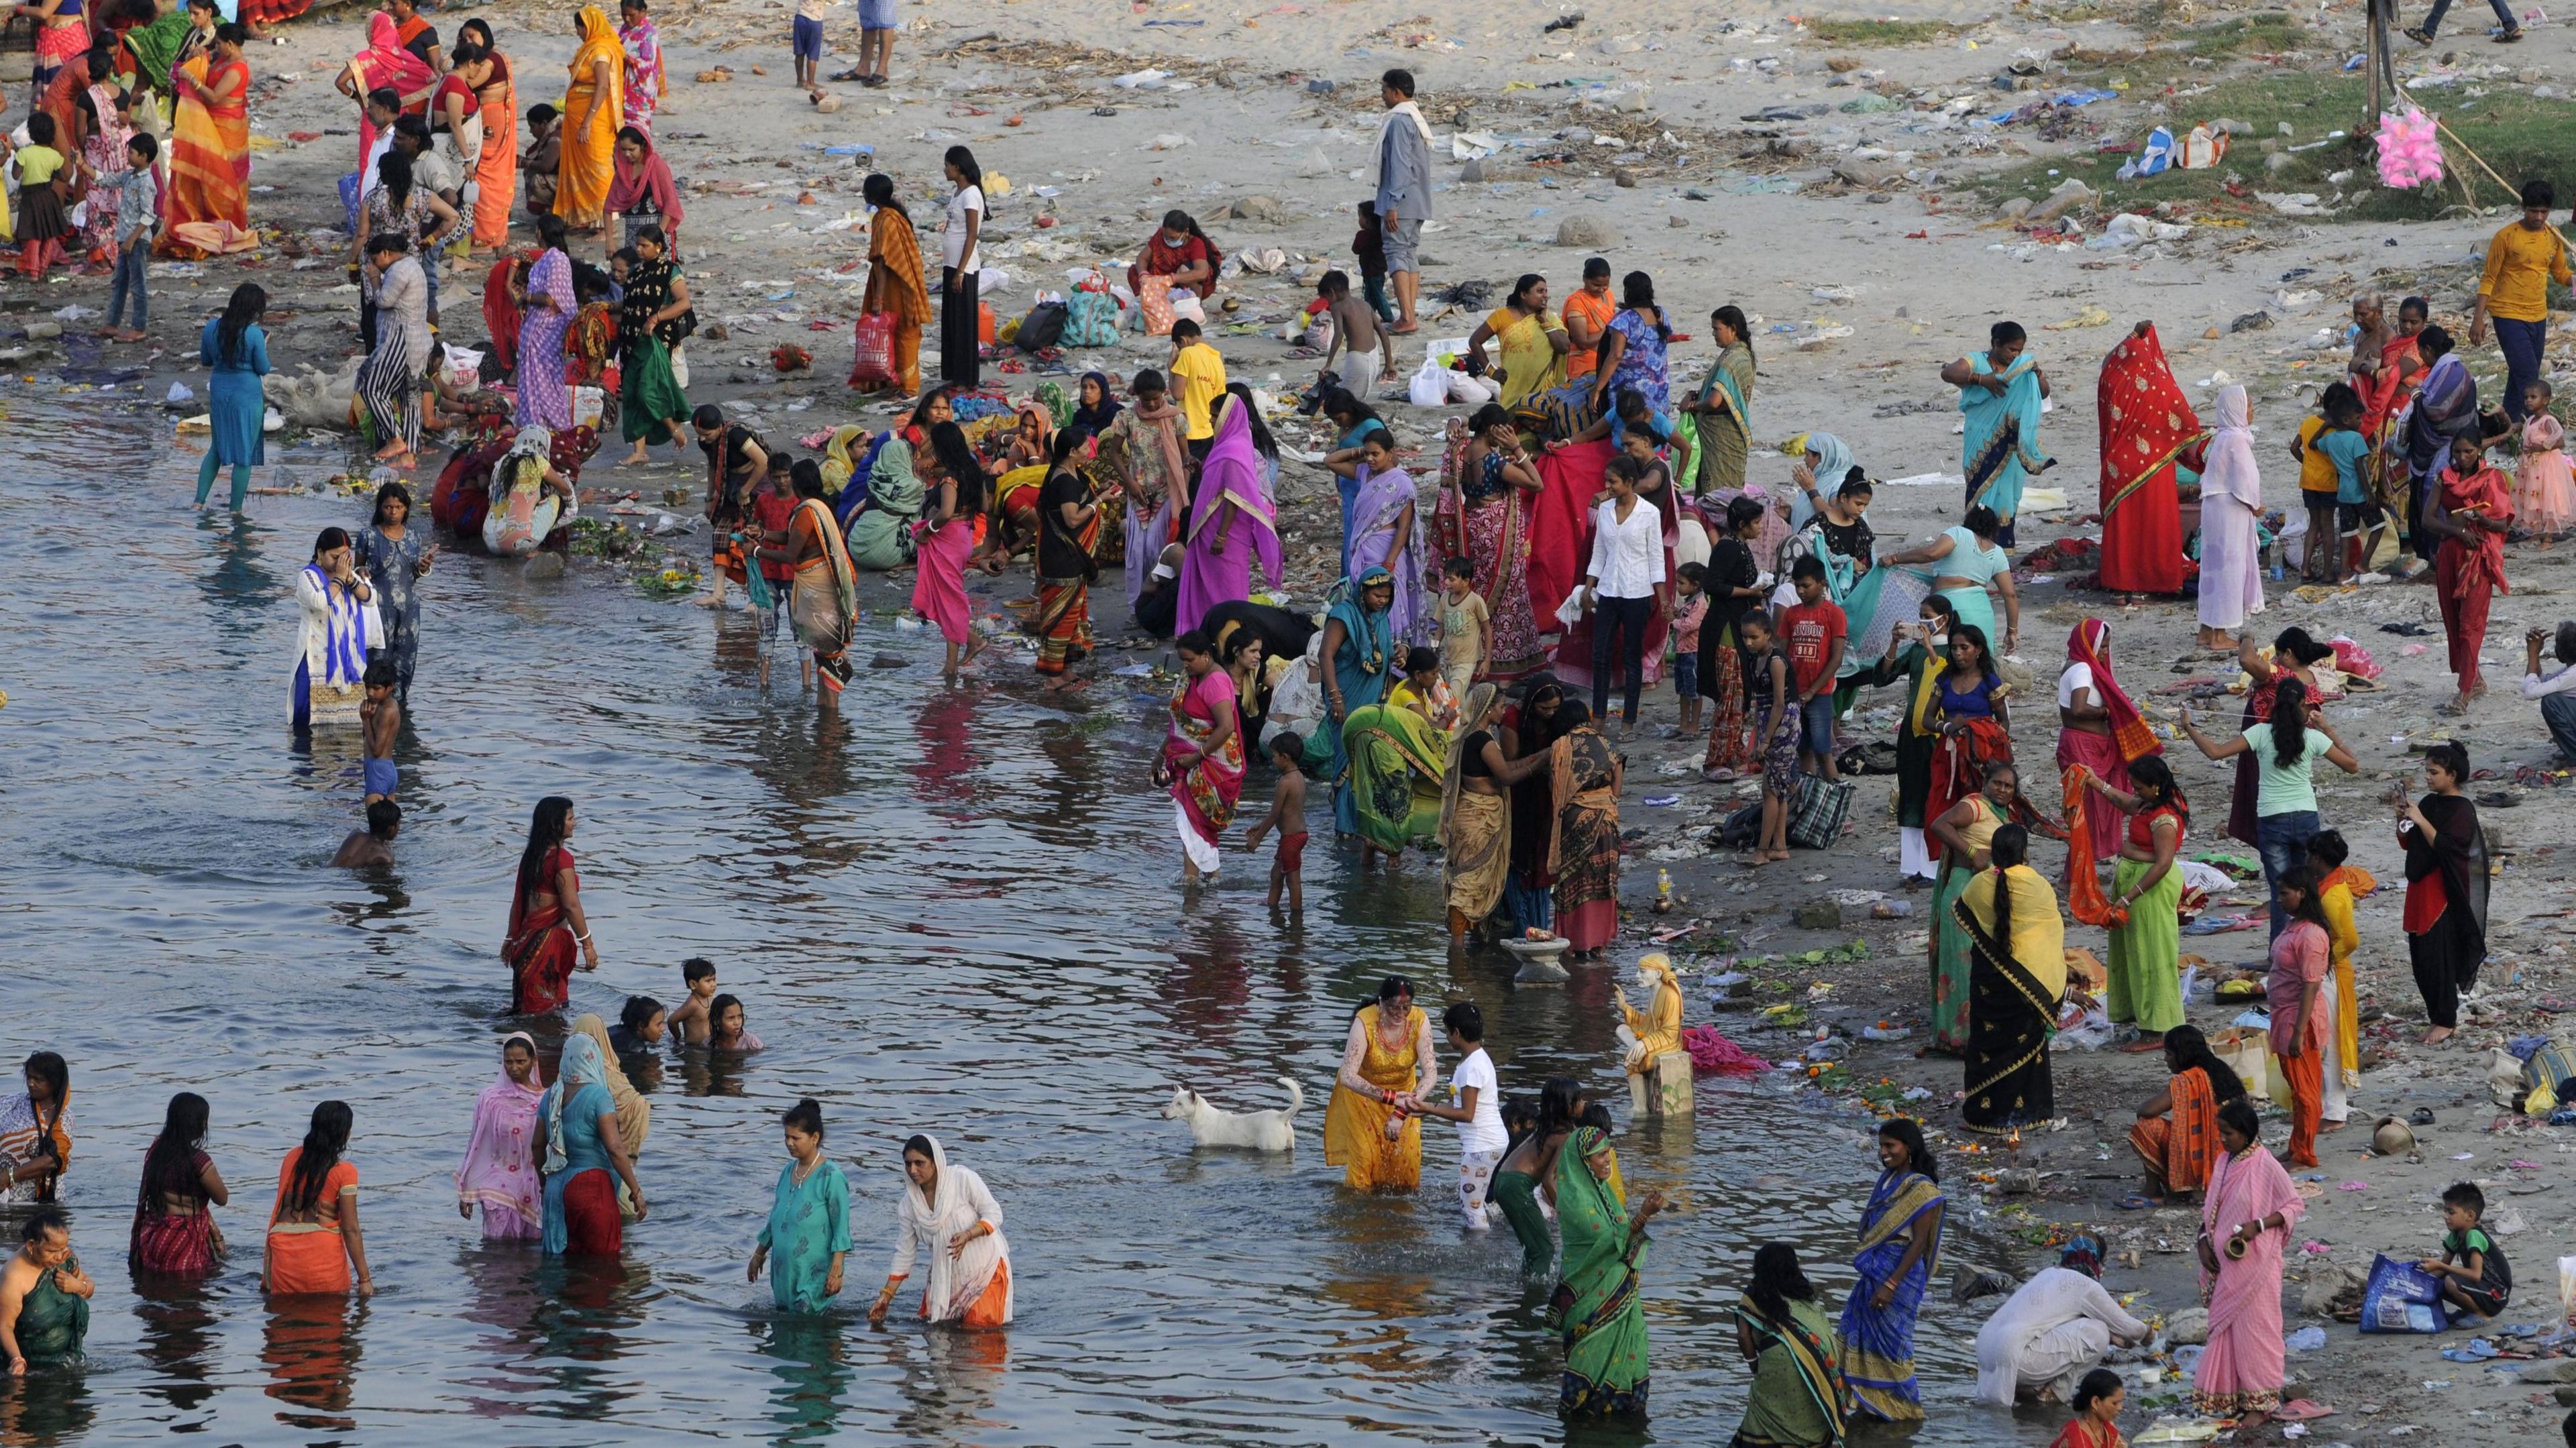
(2513, 292)
(1201, 374)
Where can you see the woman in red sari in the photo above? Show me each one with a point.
(1483, 516)
(207, 204)
(2470, 515)
(2401, 366)
(2147, 427)
(174, 1232)
(1202, 763)
(2099, 729)
(546, 919)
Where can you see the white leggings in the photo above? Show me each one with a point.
(1475, 1174)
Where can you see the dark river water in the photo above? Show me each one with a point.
(952, 910)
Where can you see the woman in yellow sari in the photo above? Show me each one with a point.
(2016, 980)
(208, 204)
(895, 282)
(1370, 1130)
(1532, 341)
(593, 107)
(2344, 883)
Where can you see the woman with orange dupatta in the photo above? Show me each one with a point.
(2147, 427)
(2177, 1132)
(2098, 729)
(2470, 515)
(895, 283)
(208, 202)
(496, 179)
(547, 925)
(593, 108)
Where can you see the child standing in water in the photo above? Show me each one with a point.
(1477, 1109)
(690, 1023)
(381, 717)
(1288, 812)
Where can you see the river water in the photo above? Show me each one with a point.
(950, 910)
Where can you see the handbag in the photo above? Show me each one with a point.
(1816, 816)
(1043, 327)
(874, 364)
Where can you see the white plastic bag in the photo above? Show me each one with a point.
(1570, 612)
(1186, 305)
(1473, 391)
(464, 367)
(587, 405)
(1430, 386)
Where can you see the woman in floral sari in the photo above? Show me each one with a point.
(1798, 1397)
(547, 927)
(103, 146)
(645, 85)
(496, 177)
(1900, 1249)
(546, 305)
(895, 284)
(1483, 516)
(1583, 853)
(208, 202)
(1598, 1302)
(1202, 763)
(2245, 1223)
(593, 109)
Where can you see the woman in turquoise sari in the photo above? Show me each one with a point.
(809, 1220)
(1362, 663)
(1597, 1303)
(1798, 1398)
(1900, 1249)
(2000, 390)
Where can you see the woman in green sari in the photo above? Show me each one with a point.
(1722, 416)
(1597, 1303)
(1798, 1392)
(879, 535)
(44, 1296)
(1398, 761)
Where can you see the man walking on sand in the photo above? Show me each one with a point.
(1403, 190)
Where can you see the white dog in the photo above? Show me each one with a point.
(1211, 1125)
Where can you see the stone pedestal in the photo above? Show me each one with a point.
(1664, 1089)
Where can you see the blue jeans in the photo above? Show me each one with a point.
(2282, 840)
(2521, 343)
(1625, 618)
(2558, 711)
(130, 260)
(2432, 23)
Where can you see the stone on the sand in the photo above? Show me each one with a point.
(542, 566)
(2070, 193)
(2188, 1326)
(1268, 210)
(2330, 1286)
(1585, 229)
(2013, 209)
(1820, 915)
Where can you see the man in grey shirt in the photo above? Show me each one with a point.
(1403, 190)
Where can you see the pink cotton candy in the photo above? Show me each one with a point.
(2410, 154)
(1716, 1055)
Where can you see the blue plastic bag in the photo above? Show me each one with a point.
(2400, 1297)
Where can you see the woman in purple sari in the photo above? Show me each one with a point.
(1381, 531)
(1227, 505)
(545, 310)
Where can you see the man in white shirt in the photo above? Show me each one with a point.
(2057, 1328)
(2555, 690)
(1478, 1110)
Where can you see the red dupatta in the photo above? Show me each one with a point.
(2486, 493)
(2147, 424)
(1570, 475)
(2090, 645)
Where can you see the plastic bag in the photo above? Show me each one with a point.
(2567, 1289)
(2248, 1053)
(1473, 391)
(1185, 304)
(1430, 386)
(2400, 1297)
(874, 364)
(464, 368)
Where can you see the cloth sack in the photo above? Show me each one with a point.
(1155, 297)
(1090, 320)
(1816, 816)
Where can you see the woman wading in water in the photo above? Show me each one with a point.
(546, 920)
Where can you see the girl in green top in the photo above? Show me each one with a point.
(2285, 748)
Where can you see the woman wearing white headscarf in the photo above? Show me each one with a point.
(947, 1216)
(2231, 503)
(584, 1150)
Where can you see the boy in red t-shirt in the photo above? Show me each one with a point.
(773, 506)
(1815, 632)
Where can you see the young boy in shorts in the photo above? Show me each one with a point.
(806, 43)
(1288, 812)
(2473, 1271)
(1815, 632)
(381, 715)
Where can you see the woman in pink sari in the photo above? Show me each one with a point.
(2245, 1222)
(944, 543)
(499, 1172)
(1232, 521)
(383, 65)
(1202, 763)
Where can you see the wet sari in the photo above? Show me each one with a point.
(1365, 664)
(590, 121)
(1798, 1393)
(1484, 519)
(825, 606)
(581, 1216)
(1583, 855)
(1355, 1137)
(309, 1258)
(173, 1242)
(2016, 978)
(499, 1172)
(1999, 450)
(1204, 791)
(207, 204)
(1598, 1303)
(540, 946)
(1878, 1344)
(1397, 763)
(52, 1324)
(1475, 829)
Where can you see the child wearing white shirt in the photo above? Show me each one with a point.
(1477, 1110)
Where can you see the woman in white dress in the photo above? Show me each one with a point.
(2231, 505)
(331, 655)
(949, 1219)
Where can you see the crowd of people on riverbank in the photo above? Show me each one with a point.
(1591, 531)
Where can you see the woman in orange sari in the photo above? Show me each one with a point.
(496, 180)
(2177, 1132)
(313, 1237)
(593, 108)
(546, 919)
(895, 281)
(208, 203)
